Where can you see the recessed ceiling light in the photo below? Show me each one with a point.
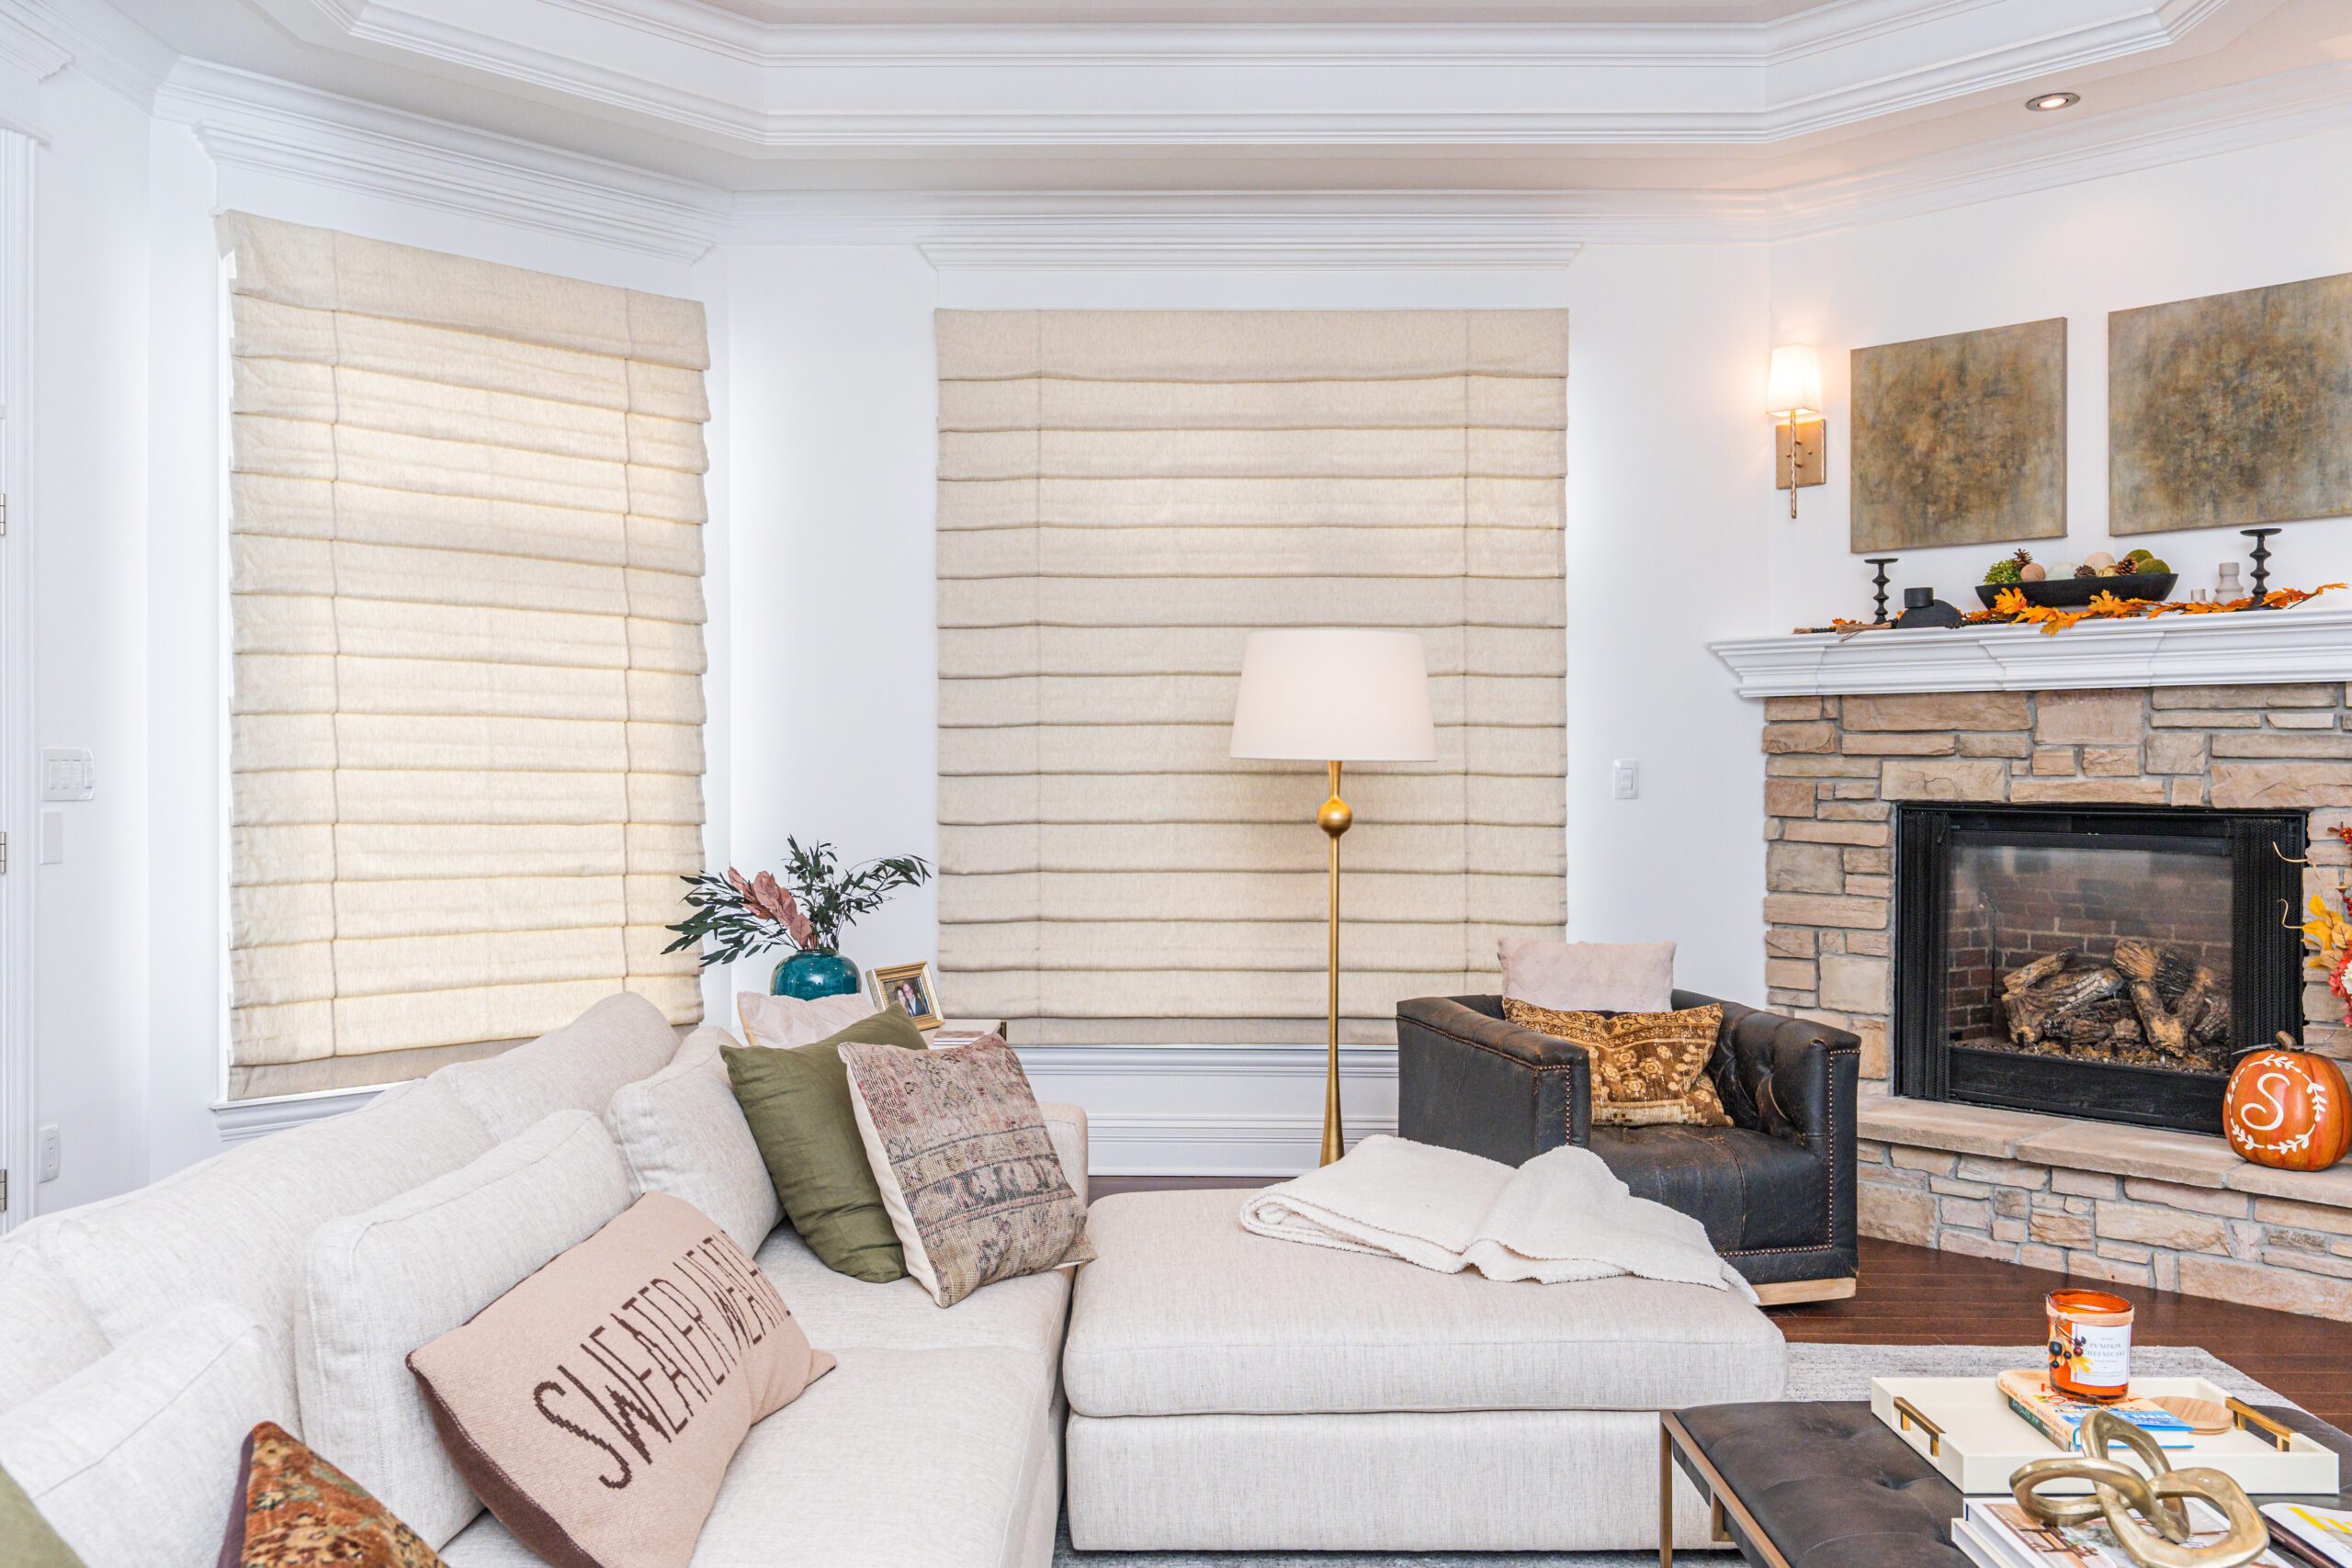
(2048, 101)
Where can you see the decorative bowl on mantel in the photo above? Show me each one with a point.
(2074, 592)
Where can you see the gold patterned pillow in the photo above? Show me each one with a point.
(291, 1507)
(1648, 1068)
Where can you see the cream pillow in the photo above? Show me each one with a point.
(680, 1132)
(378, 1284)
(1589, 977)
(133, 1458)
(783, 1022)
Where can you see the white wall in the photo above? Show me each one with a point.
(87, 527)
(1669, 469)
(2237, 221)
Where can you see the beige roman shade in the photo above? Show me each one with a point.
(466, 748)
(1122, 497)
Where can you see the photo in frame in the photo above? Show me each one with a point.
(909, 986)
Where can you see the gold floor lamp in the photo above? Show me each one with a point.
(1334, 696)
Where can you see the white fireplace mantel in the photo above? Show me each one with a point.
(2239, 647)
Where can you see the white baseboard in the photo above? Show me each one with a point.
(1212, 1109)
(1143, 1144)
(1151, 1109)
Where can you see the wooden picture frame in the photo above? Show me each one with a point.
(909, 986)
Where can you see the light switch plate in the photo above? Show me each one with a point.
(53, 1152)
(67, 774)
(1625, 779)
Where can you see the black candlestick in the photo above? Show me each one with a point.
(1881, 562)
(2261, 537)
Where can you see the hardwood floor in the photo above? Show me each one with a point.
(1910, 1295)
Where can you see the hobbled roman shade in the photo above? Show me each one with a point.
(1123, 497)
(466, 748)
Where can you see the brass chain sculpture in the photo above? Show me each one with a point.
(2123, 1498)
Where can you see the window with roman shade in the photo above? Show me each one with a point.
(465, 601)
(1122, 496)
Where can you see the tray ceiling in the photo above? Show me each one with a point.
(1721, 96)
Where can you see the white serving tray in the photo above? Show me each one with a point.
(1965, 1428)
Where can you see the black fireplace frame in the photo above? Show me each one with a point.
(2266, 887)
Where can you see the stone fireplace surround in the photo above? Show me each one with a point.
(2134, 1205)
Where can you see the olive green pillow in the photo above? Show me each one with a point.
(25, 1539)
(797, 1100)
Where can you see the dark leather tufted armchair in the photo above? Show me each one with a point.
(1776, 1192)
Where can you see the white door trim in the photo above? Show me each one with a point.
(19, 769)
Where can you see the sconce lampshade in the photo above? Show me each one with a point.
(1334, 695)
(1794, 386)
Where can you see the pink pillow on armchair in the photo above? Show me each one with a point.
(1589, 977)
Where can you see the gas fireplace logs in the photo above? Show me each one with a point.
(2148, 1002)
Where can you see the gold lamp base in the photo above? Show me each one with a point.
(1335, 818)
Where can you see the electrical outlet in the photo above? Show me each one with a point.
(1625, 779)
(53, 1152)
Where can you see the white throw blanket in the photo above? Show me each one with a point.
(1561, 1216)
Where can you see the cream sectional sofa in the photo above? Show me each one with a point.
(935, 1442)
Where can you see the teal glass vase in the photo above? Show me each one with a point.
(809, 975)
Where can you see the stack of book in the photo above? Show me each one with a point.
(2314, 1537)
(1996, 1533)
(2055, 1415)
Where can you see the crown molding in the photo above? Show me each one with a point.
(92, 37)
(735, 81)
(2272, 109)
(1098, 231)
(257, 123)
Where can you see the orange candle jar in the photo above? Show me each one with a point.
(2090, 1345)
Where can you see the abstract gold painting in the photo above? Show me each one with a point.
(1960, 439)
(2232, 409)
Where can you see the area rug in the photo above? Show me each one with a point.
(1815, 1371)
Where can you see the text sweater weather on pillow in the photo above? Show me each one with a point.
(595, 1406)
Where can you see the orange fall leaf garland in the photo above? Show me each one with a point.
(2011, 609)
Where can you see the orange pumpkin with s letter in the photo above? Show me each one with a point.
(2286, 1108)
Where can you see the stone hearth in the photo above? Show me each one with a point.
(2172, 1210)
(2134, 1205)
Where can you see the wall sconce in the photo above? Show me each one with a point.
(1800, 455)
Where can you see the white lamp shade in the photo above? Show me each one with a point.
(1794, 385)
(1334, 696)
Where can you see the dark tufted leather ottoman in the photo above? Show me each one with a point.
(1828, 1485)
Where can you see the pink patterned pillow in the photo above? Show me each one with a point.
(968, 1172)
